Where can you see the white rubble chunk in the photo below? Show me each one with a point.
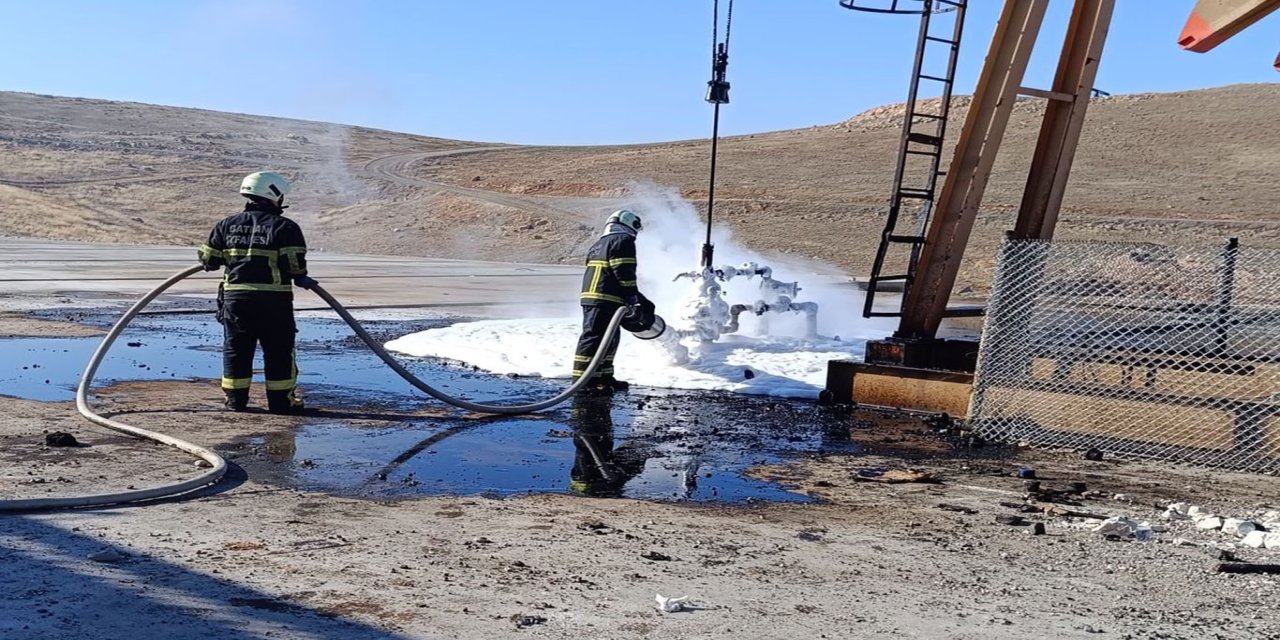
(1118, 527)
(1255, 539)
(1238, 527)
(1272, 541)
(1209, 523)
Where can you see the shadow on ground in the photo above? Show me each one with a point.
(64, 594)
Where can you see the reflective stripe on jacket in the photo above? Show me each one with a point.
(261, 250)
(610, 277)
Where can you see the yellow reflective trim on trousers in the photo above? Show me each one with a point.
(236, 383)
(282, 385)
(627, 283)
(278, 288)
(579, 486)
(289, 384)
(582, 358)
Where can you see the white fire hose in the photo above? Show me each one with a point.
(218, 466)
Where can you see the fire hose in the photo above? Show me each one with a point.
(217, 465)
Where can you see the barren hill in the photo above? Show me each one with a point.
(1180, 167)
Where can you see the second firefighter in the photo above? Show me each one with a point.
(608, 284)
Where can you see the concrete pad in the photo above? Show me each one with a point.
(38, 274)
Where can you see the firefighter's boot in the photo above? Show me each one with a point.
(237, 399)
(284, 402)
(611, 383)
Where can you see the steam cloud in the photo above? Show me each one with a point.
(671, 244)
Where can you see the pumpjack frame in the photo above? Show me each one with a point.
(914, 369)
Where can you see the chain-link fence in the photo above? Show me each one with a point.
(1135, 349)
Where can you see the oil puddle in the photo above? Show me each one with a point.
(668, 446)
(189, 347)
(645, 444)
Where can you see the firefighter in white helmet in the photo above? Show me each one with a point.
(263, 255)
(608, 283)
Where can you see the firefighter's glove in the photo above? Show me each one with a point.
(647, 305)
(306, 282)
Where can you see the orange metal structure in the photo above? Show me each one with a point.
(1212, 22)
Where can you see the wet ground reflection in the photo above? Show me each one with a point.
(649, 444)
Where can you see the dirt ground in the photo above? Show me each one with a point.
(252, 558)
(16, 325)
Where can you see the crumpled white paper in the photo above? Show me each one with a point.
(671, 605)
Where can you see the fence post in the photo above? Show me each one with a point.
(1005, 299)
(1226, 293)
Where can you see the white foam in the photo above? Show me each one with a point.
(670, 244)
(782, 367)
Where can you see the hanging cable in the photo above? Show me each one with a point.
(717, 94)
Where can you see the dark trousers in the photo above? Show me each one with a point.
(595, 319)
(598, 468)
(250, 319)
(594, 472)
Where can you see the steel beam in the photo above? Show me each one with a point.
(1063, 119)
(1047, 95)
(970, 169)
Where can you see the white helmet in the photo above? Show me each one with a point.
(626, 218)
(266, 185)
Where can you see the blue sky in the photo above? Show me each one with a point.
(554, 71)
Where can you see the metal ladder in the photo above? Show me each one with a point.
(922, 137)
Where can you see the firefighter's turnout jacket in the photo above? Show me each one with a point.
(261, 250)
(610, 278)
